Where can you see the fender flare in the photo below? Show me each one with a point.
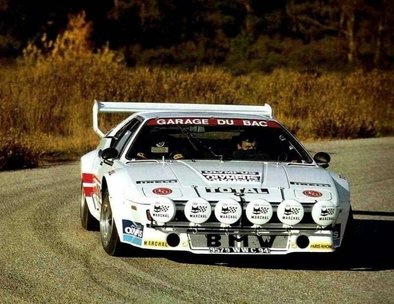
(114, 182)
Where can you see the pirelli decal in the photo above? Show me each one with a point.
(309, 184)
(161, 181)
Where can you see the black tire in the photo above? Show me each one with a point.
(108, 232)
(88, 222)
(348, 236)
(347, 241)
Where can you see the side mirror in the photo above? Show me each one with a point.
(322, 159)
(109, 153)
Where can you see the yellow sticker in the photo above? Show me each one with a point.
(155, 243)
(321, 246)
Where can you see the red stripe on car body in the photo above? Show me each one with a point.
(88, 191)
(87, 178)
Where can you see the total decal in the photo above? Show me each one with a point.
(213, 122)
(236, 190)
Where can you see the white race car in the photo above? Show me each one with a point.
(209, 179)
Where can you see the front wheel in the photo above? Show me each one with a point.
(109, 234)
(349, 232)
(347, 240)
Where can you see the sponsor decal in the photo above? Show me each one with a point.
(193, 121)
(158, 208)
(312, 193)
(309, 184)
(132, 232)
(162, 191)
(197, 210)
(160, 181)
(290, 212)
(228, 211)
(155, 243)
(324, 213)
(162, 210)
(236, 190)
(321, 246)
(259, 212)
(231, 176)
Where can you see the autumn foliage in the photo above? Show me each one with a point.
(46, 100)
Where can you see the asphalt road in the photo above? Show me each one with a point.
(46, 257)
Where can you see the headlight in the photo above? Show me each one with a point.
(162, 209)
(324, 213)
(259, 212)
(198, 210)
(290, 212)
(228, 211)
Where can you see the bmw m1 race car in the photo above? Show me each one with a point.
(209, 179)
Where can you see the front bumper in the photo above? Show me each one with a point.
(230, 241)
(273, 238)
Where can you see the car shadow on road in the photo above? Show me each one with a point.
(369, 250)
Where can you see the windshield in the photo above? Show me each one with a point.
(215, 138)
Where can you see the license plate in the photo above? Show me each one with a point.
(217, 250)
(230, 243)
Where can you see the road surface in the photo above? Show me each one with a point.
(46, 257)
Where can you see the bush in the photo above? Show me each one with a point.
(48, 97)
(17, 154)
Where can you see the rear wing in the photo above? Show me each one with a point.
(133, 107)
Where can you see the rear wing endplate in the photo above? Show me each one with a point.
(133, 107)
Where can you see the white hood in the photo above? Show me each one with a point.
(213, 180)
